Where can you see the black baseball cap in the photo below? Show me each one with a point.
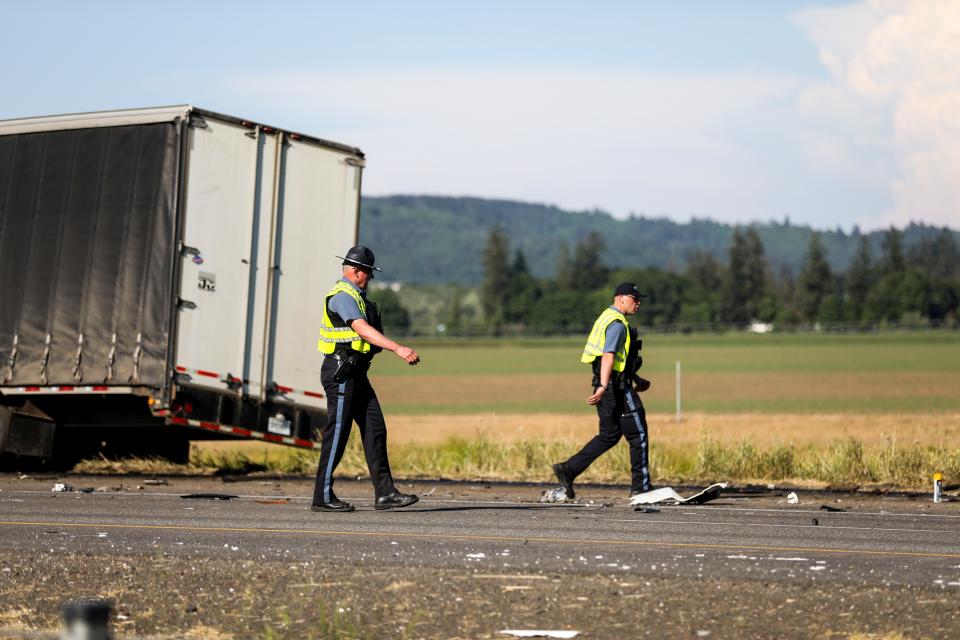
(360, 257)
(629, 289)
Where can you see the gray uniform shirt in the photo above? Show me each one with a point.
(616, 336)
(346, 307)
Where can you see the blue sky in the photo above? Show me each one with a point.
(831, 113)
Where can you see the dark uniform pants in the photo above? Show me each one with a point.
(621, 413)
(349, 401)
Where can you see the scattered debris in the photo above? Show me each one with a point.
(209, 496)
(155, 482)
(668, 495)
(554, 495)
(273, 501)
(85, 490)
(816, 522)
(827, 507)
(647, 509)
(792, 498)
(61, 487)
(429, 493)
(538, 633)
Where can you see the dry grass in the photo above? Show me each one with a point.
(811, 450)
(147, 466)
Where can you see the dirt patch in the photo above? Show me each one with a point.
(768, 391)
(162, 597)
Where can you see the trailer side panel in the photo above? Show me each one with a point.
(86, 251)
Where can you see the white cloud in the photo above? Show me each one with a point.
(896, 84)
(623, 141)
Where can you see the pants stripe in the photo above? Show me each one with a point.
(328, 476)
(643, 436)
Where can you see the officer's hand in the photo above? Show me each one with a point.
(597, 394)
(408, 354)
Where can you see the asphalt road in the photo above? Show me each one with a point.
(875, 541)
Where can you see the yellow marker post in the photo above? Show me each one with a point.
(938, 487)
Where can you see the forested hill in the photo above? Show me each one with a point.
(441, 239)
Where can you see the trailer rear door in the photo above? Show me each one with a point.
(265, 214)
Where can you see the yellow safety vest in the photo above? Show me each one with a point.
(331, 336)
(598, 337)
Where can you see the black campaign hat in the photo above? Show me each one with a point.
(629, 289)
(360, 257)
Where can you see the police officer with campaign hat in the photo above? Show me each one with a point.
(350, 335)
(613, 350)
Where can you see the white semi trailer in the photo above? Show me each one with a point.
(162, 274)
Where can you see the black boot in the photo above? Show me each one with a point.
(395, 500)
(336, 504)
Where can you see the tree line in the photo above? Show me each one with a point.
(915, 286)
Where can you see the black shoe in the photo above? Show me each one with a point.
(334, 505)
(565, 476)
(395, 500)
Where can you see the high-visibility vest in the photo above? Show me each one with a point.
(331, 336)
(598, 337)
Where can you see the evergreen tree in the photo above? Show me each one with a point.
(892, 260)
(937, 256)
(564, 269)
(745, 283)
(704, 271)
(524, 292)
(815, 282)
(495, 290)
(859, 280)
(588, 270)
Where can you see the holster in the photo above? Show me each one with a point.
(349, 364)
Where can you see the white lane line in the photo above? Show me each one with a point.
(782, 526)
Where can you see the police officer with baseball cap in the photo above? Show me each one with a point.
(350, 335)
(612, 350)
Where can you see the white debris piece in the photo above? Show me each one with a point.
(554, 495)
(792, 498)
(538, 633)
(667, 494)
(61, 487)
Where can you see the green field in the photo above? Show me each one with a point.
(730, 373)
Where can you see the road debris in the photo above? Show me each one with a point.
(792, 498)
(538, 633)
(273, 501)
(61, 487)
(827, 507)
(155, 482)
(556, 495)
(669, 496)
(209, 496)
